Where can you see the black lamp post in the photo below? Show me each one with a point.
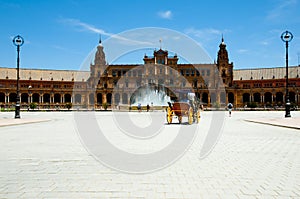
(18, 41)
(287, 37)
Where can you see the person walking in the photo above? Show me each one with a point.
(139, 107)
(229, 107)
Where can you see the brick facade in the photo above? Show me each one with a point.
(214, 84)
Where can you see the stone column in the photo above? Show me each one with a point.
(235, 99)
(218, 100)
(112, 100)
(88, 99)
(226, 98)
(82, 99)
(104, 98)
(121, 98)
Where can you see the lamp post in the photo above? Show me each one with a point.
(287, 37)
(18, 41)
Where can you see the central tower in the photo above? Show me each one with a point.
(161, 57)
(225, 68)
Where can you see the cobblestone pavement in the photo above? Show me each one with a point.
(250, 160)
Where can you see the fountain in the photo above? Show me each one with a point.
(150, 95)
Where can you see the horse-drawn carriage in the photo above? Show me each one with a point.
(181, 109)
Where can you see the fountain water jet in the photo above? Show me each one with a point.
(150, 95)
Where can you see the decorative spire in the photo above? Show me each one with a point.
(222, 41)
(100, 41)
(160, 40)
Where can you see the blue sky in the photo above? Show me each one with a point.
(61, 34)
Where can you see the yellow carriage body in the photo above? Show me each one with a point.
(181, 109)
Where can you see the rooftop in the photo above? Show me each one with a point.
(44, 74)
(265, 73)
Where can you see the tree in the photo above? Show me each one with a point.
(68, 105)
(105, 106)
(251, 105)
(33, 105)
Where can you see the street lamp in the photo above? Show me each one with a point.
(18, 41)
(287, 37)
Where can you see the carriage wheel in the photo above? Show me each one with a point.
(180, 119)
(169, 119)
(190, 116)
(169, 115)
(198, 116)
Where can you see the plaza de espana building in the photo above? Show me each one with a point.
(214, 84)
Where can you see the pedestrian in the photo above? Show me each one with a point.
(139, 107)
(229, 106)
(148, 107)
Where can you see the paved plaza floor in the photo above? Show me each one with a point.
(48, 159)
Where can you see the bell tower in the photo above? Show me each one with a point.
(98, 68)
(225, 68)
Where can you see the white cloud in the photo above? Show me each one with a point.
(165, 14)
(242, 51)
(264, 43)
(281, 9)
(84, 26)
(90, 28)
(206, 34)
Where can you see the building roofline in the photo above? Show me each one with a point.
(44, 69)
(275, 67)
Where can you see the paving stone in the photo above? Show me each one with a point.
(250, 160)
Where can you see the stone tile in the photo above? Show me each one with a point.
(47, 160)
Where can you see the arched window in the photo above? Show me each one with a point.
(108, 98)
(77, 99)
(268, 97)
(256, 97)
(24, 98)
(213, 98)
(35, 97)
(292, 96)
(67, 98)
(91, 98)
(124, 98)
(223, 97)
(231, 97)
(246, 97)
(46, 98)
(2, 97)
(12, 97)
(99, 98)
(57, 98)
(223, 73)
(117, 98)
(279, 97)
(205, 98)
